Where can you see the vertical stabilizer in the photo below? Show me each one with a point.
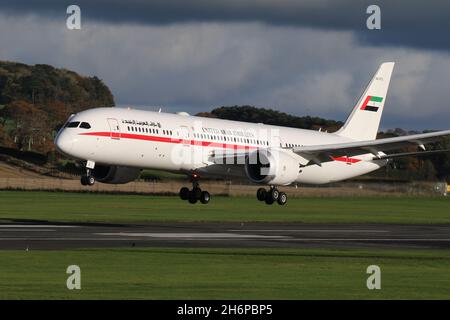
(363, 122)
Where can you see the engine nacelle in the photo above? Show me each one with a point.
(271, 167)
(115, 174)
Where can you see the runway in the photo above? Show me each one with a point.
(29, 235)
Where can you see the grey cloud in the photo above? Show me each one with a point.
(197, 66)
(417, 23)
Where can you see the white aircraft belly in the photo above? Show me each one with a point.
(335, 171)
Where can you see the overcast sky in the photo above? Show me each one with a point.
(302, 57)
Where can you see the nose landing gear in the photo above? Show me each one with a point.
(196, 194)
(272, 195)
(88, 179)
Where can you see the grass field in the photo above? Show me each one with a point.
(224, 274)
(60, 206)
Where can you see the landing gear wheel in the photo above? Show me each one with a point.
(282, 199)
(192, 198)
(184, 193)
(274, 193)
(205, 197)
(87, 180)
(197, 192)
(269, 200)
(261, 194)
(90, 180)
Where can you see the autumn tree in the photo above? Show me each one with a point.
(31, 124)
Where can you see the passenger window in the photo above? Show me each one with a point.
(85, 125)
(73, 124)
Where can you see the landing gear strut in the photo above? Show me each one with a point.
(272, 195)
(196, 194)
(88, 179)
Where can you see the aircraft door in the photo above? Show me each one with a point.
(184, 152)
(185, 135)
(114, 128)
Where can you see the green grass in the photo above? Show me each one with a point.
(224, 274)
(60, 206)
(160, 273)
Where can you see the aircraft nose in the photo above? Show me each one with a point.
(64, 142)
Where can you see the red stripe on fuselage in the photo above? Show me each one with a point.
(191, 142)
(169, 140)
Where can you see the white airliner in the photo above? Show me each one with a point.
(117, 143)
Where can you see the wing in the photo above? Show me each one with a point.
(319, 153)
(410, 154)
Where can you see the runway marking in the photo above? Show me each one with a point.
(336, 241)
(34, 226)
(310, 230)
(114, 239)
(367, 239)
(189, 235)
(63, 239)
(21, 230)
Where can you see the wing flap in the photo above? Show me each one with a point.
(411, 154)
(371, 146)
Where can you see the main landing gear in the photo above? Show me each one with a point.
(196, 194)
(88, 179)
(272, 195)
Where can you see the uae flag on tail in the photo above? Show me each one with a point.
(371, 103)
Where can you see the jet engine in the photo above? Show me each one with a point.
(115, 174)
(271, 167)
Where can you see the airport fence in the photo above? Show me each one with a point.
(230, 189)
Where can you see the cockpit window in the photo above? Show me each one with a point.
(73, 124)
(85, 125)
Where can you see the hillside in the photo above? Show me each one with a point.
(273, 117)
(36, 100)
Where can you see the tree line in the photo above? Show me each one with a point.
(36, 100)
